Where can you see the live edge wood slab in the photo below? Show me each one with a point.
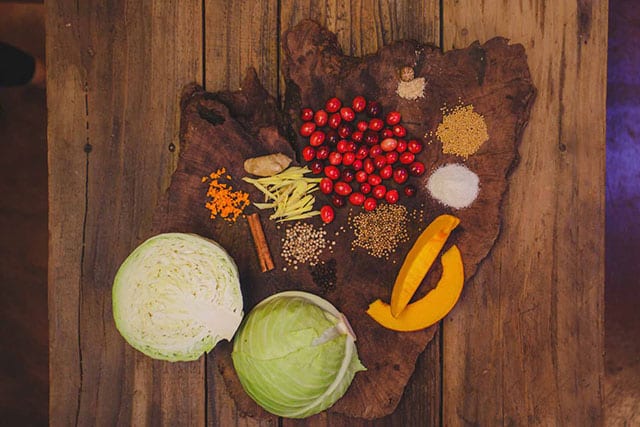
(222, 129)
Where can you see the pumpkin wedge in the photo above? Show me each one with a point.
(419, 261)
(432, 307)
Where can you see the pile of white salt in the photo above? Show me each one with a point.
(454, 185)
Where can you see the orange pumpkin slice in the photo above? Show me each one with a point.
(431, 308)
(419, 261)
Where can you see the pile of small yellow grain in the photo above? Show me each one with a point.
(462, 131)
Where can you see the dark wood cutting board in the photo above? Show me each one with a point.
(223, 129)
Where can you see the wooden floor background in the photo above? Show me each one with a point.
(23, 232)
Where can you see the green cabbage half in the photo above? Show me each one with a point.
(176, 296)
(295, 354)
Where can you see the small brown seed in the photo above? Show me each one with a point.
(406, 74)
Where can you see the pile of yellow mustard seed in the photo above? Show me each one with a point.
(462, 131)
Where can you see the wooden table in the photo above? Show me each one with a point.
(525, 344)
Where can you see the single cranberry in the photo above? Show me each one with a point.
(392, 196)
(335, 158)
(342, 188)
(316, 167)
(379, 191)
(380, 162)
(348, 158)
(409, 190)
(375, 151)
(335, 120)
(386, 133)
(345, 130)
(357, 164)
(342, 146)
(358, 104)
(389, 144)
(361, 176)
(332, 172)
(407, 158)
(322, 152)
(399, 131)
(391, 157)
(327, 214)
(362, 125)
(400, 175)
(402, 146)
(326, 185)
(393, 118)
(357, 136)
(348, 175)
(373, 109)
(332, 137)
(362, 152)
(386, 172)
(316, 138)
(321, 118)
(306, 114)
(337, 201)
(307, 128)
(371, 137)
(370, 204)
(368, 166)
(374, 179)
(414, 146)
(351, 146)
(347, 114)
(333, 105)
(356, 199)
(365, 188)
(376, 124)
(308, 153)
(416, 168)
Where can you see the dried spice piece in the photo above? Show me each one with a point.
(462, 131)
(381, 231)
(222, 200)
(303, 244)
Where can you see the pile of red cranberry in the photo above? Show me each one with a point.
(360, 154)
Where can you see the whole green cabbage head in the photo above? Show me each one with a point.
(295, 354)
(176, 296)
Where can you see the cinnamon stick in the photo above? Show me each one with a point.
(260, 242)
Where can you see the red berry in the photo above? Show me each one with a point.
(362, 125)
(335, 120)
(414, 146)
(327, 214)
(362, 152)
(332, 137)
(399, 131)
(400, 175)
(370, 204)
(376, 124)
(342, 188)
(374, 179)
(307, 128)
(345, 130)
(348, 175)
(386, 133)
(308, 153)
(348, 158)
(316, 138)
(321, 118)
(393, 118)
(402, 146)
(322, 152)
(351, 146)
(358, 104)
(379, 191)
(342, 146)
(391, 157)
(335, 158)
(392, 196)
(333, 105)
(389, 144)
(357, 136)
(379, 162)
(361, 176)
(375, 151)
(368, 166)
(409, 190)
(356, 199)
(371, 137)
(365, 188)
(306, 114)
(332, 172)
(407, 158)
(338, 201)
(347, 114)
(326, 185)
(316, 167)
(373, 109)
(386, 172)
(416, 168)
(357, 164)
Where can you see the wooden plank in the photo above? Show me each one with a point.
(525, 344)
(362, 28)
(114, 80)
(240, 34)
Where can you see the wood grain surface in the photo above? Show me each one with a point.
(524, 346)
